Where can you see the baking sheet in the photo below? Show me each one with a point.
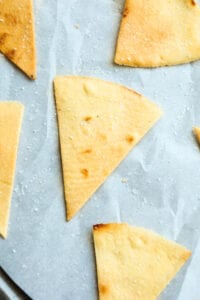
(48, 257)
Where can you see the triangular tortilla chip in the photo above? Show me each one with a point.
(17, 41)
(196, 132)
(157, 33)
(134, 263)
(99, 123)
(10, 123)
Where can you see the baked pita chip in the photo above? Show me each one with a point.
(134, 263)
(17, 41)
(10, 123)
(99, 123)
(196, 131)
(157, 33)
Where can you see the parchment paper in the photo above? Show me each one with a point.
(157, 186)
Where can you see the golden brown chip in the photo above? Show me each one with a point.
(157, 33)
(10, 123)
(17, 41)
(134, 263)
(196, 131)
(99, 123)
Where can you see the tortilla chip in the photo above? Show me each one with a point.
(196, 131)
(134, 263)
(157, 33)
(99, 123)
(10, 123)
(17, 40)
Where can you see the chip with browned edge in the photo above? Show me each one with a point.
(99, 123)
(134, 263)
(17, 41)
(157, 33)
(10, 123)
(196, 131)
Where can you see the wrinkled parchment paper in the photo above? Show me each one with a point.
(157, 186)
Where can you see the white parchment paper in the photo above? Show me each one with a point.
(157, 186)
